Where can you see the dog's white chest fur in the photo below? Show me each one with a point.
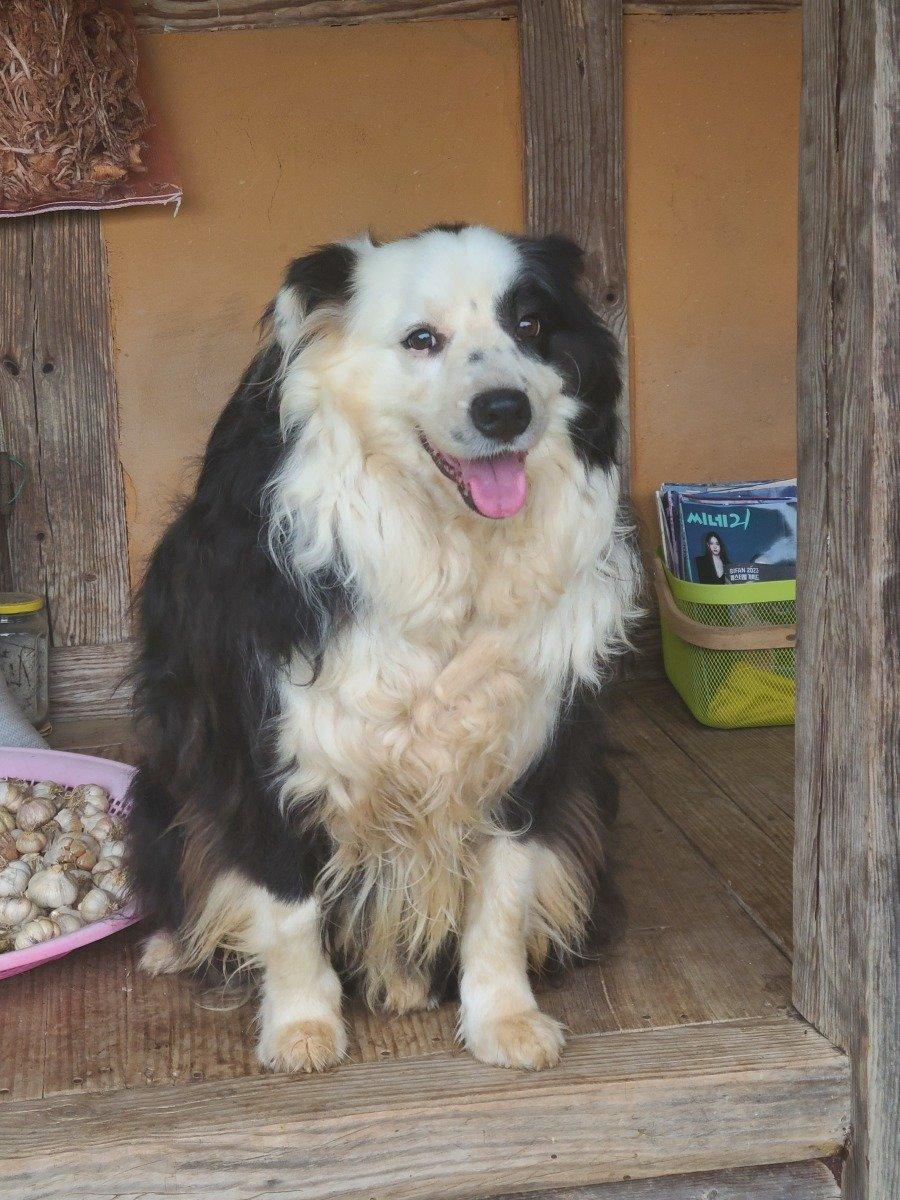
(443, 688)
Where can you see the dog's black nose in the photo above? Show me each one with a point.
(501, 413)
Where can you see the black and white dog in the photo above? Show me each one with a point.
(370, 643)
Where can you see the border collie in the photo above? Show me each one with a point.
(370, 645)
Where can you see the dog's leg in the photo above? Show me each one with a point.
(499, 1018)
(300, 1012)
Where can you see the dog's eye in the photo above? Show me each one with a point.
(528, 327)
(424, 340)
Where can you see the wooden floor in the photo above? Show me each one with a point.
(703, 851)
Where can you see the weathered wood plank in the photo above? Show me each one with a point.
(618, 1105)
(187, 15)
(847, 875)
(754, 866)
(571, 53)
(789, 1181)
(755, 767)
(91, 682)
(66, 534)
(688, 954)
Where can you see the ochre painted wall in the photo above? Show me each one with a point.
(288, 138)
(711, 141)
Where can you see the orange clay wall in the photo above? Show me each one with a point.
(287, 138)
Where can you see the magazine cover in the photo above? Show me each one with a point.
(738, 542)
(759, 559)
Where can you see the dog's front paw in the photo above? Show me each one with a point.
(160, 955)
(305, 1045)
(530, 1040)
(407, 994)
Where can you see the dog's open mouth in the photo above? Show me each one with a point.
(496, 487)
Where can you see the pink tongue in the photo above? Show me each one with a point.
(497, 485)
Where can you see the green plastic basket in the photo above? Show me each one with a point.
(728, 649)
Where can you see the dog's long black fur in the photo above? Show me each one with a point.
(218, 619)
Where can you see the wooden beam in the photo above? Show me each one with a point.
(573, 144)
(621, 1105)
(790, 1181)
(160, 16)
(846, 871)
(66, 535)
(189, 15)
(91, 682)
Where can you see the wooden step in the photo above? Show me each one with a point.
(786, 1181)
(621, 1105)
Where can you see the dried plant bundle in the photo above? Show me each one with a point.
(72, 120)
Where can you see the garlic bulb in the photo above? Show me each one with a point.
(16, 909)
(102, 827)
(30, 841)
(73, 850)
(67, 919)
(52, 888)
(95, 904)
(83, 880)
(34, 812)
(104, 866)
(68, 821)
(34, 861)
(113, 849)
(7, 820)
(9, 851)
(14, 878)
(49, 791)
(41, 929)
(88, 798)
(12, 793)
(115, 883)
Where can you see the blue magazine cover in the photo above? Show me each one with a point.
(688, 511)
(749, 541)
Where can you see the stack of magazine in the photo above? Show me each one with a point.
(729, 532)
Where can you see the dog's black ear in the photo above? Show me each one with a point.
(556, 258)
(323, 277)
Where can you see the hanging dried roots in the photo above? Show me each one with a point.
(71, 117)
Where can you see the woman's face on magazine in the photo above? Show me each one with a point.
(715, 545)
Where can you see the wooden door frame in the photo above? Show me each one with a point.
(846, 899)
(846, 892)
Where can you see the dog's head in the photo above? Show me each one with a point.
(463, 350)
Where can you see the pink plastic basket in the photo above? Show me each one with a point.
(56, 766)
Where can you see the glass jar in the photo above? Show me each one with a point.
(24, 642)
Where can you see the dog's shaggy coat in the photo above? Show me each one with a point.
(366, 707)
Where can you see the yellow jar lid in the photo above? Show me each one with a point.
(14, 603)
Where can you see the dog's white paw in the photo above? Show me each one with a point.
(159, 955)
(529, 1040)
(313, 1044)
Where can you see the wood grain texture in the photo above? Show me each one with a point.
(847, 875)
(66, 534)
(753, 862)
(689, 954)
(571, 54)
(159, 16)
(628, 1104)
(91, 682)
(789, 1181)
(188, 15)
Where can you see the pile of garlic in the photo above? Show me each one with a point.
(60, 861)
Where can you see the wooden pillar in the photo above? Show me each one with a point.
(571, 54)
(66, 536)
(846, 892)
